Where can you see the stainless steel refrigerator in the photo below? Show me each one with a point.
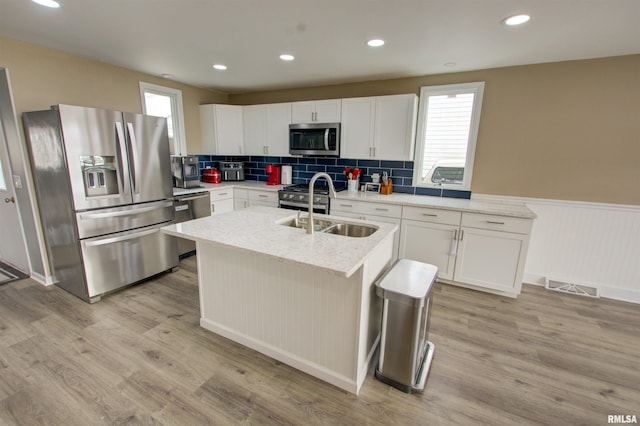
(104, 190)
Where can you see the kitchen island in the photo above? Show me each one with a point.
(305, 300)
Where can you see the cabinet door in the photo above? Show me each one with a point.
(430, 243)
(229, 129)
(491, 259)
(302, 112)
(358, 116)
(395, 127)
(277, 135)
(208, 129)
(255, 129)
(222, 206)
(328, 111)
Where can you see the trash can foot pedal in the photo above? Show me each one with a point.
(422, 377)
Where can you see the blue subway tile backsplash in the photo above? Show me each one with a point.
(401, 172)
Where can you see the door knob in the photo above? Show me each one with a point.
(10, 200)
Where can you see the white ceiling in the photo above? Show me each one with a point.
(186, 37)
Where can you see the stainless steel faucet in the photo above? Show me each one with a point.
(332, 194)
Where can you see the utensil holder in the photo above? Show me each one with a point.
(352, 185)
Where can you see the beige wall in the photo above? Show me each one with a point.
(42, 77)
(566, 130)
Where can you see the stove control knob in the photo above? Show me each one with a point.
(318, 199)
(290, 196)
(300, 197)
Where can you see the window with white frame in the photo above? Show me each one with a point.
(166, 102)
(448, 122)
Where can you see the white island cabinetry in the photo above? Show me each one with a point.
(306, 300)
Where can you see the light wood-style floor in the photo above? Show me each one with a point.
(140, 357)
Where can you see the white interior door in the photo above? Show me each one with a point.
(12, 247)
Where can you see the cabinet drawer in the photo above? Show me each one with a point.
(425, 214)
(267, 196)
(365, 207)
(221, 194)
(497, 223)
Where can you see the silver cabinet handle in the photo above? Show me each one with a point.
(461, 234)
(346, 205)
(455, 234)
(495, 222)
(429, 215)
(262, 196)
(195, 197)
(223, 193)
(382, 210)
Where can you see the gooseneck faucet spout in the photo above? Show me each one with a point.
(332, 194)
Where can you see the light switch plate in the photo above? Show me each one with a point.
(17, 182)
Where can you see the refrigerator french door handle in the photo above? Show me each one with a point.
(120, 239)
(133, 164)
(123, 163)
(132, 212)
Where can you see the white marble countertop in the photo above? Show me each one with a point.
(246, 184)
(256, 229)
(471, 206)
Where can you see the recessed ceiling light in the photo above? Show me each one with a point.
(376, 42)
(449, 64)
(287, 57)
(516, 20)
(166, 75)
(220, 67)
(48, 3)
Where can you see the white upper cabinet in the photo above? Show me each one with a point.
(358, 115)
(266, 129)
(255, 129)
(222, 129)
(395, 127)
(326, 111)
(381, 127)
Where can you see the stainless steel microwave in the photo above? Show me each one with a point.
(321, 139)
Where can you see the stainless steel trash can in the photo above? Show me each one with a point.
(405, 351)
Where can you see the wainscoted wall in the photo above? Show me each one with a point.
(401, 172)
(583, 243)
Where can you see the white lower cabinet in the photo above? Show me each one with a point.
(258, 197)
(484, 252)
(240, 198)
(430, 243)
(491, 259)
(221, 200)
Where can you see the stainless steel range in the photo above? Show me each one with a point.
(296, 197)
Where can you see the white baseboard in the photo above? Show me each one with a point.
(41, 279)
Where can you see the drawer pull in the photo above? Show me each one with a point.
(493, 222)
(223, 193)
(346, 205)
(429, 214)
(382, 210)
(262, 196)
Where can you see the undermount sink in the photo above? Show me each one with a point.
(351, 229)
(329, 227)
(318, 224)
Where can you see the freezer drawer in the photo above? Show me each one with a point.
(107, 221)
(116, 260)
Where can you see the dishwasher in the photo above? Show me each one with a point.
(190, 206)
